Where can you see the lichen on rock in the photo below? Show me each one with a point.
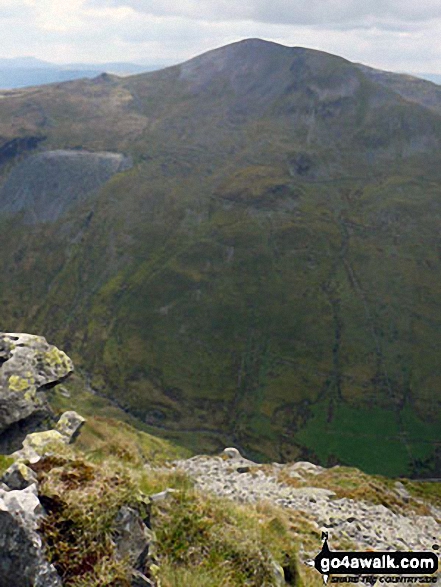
(28, 365)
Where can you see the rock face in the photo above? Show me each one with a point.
(28, 365)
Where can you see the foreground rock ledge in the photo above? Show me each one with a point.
(28, 365)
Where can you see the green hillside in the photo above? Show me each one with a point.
(267, 274)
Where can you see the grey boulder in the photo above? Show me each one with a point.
(22, 561)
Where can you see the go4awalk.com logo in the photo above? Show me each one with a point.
(419, 565)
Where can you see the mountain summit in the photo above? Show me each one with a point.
(265, 274)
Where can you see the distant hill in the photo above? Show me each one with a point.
(266, 274)
(433, 77)
(28, 71)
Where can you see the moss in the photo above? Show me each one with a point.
(428, 491)
(5, 463)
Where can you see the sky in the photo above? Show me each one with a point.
(396, 35)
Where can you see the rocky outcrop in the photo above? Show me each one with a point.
(18, 146)
(69, 425)
(22, 554)
(28, 366)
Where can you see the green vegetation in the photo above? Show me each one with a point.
(5, 463)
(428, 491)
(202, 533)
(198, 539)
(350, 433)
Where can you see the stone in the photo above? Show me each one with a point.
(18, 476)
(312, 493)
(366, 525)
(231, 453)
(162, 495)
(133, 540)
(28, 365)
(31, 362)
(140, 580)
(39, 440)
(36, 443)
(402, 491)
(304, 466)
(22, 561)
(278, 574)
(69, 425)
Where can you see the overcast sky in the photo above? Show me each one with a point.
(398, 35)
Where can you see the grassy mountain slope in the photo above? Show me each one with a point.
(266, 274)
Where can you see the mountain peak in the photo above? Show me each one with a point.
(255, 47)
(259, 72)
(246, 48)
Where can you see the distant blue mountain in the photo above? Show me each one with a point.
(26, 63)
(20, 72)
(432, 77)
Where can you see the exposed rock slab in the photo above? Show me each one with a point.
(66, 430)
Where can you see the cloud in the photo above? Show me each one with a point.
(295, 12)
(392, 34)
